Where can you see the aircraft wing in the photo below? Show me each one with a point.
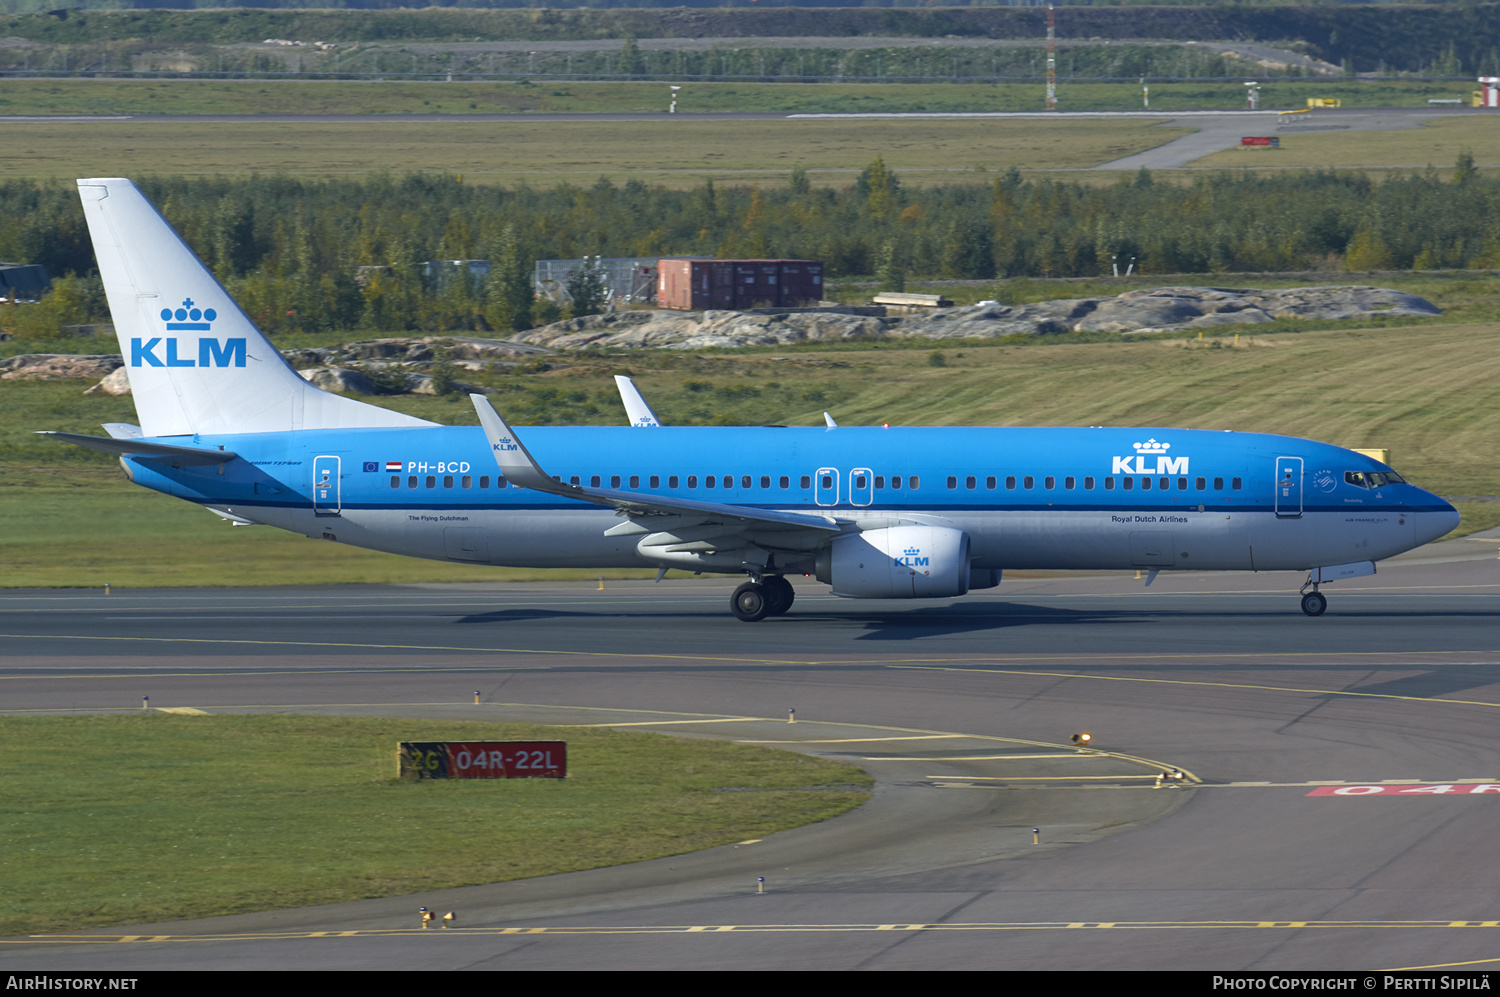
(177, 456)
(520, 468)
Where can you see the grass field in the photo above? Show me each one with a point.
(151, 816)
(374, 97)
(1426, 392)
(670, 152)
(675, 152)
(1436, 143)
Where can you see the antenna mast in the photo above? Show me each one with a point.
(1051, 61)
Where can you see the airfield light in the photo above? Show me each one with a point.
(1083, 739)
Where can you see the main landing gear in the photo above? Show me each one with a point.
(772, 595)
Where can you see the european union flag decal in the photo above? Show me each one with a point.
(372, 465)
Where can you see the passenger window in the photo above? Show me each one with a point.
(709, 481)
(952, 481)
(411, 482)
(896, 481)
(914, 483)
(1235, 484)
(1127, 483)
(1109, 484)
(1069, 483)
(1049, 482)
(859, 481)
(879, 481)
(827, 481)
(655, 481)
(692, 481)
(1028, 482)
(1182, 484)
(1145, 484)
(806, 481)
(729, 481)
(431, 481)
(1201, 483)
(1010, 482)
(447, 481)
(594, 481)
(1218, 484)
(1088, 483)
(468, 481)
(765, 481)
(572, 481)
(500, 481)
(672, 481)
(990, 482)
(614, 481)
(484, 481)
(786, 482)
(744, 481)
(395, 481)
(635, 481)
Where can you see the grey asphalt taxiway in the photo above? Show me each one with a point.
(1340, 776)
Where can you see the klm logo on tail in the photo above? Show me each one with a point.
(188, 318)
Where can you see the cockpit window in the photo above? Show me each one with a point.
(1372, 479)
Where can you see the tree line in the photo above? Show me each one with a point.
(1365, 37)
(341, 254)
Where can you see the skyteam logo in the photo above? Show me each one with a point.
(911, 557)
(1139, 465)
(187, 318)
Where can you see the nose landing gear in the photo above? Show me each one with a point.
(1314, 603)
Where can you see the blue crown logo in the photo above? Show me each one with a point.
(188, 317)
(912, 550)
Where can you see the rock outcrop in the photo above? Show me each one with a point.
(1164, 309)
(57, 366)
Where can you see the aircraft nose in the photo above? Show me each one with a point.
(1439, 519)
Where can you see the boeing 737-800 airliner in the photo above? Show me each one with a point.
(877, 513)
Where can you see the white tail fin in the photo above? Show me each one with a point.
(196, 362)
(636, 409)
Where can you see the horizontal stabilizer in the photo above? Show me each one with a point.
(179, 456)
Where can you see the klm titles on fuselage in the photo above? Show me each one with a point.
(1151, 448)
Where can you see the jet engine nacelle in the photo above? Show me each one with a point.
(901, 562)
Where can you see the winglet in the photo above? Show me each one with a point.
(636, 409)
(514, 460)
(829, 419)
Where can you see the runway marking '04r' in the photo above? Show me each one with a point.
(1415, 789)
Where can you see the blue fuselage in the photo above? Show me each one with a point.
(1027, 498)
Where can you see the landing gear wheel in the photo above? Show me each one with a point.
(779, 595)
(749, 602)
(1313, 603)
